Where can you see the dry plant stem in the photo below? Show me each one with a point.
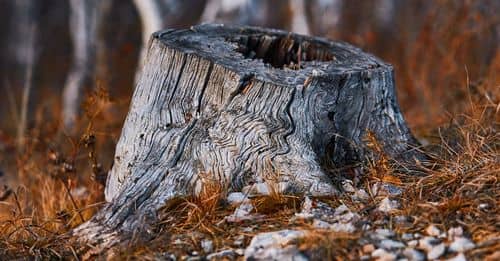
(236, 104)
(75, 206)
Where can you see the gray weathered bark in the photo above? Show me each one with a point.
(243, 106)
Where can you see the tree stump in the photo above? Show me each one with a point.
(244, 105)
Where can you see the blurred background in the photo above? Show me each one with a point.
(54, 51)
(67, 72)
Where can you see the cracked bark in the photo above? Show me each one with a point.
(237, 103)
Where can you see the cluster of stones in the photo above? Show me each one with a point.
(376, 242)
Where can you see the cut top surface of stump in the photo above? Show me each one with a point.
(270, 55)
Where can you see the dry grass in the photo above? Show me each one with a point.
(444, 81)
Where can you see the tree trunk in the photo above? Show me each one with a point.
(83, 26)
(274, 14)
(239, 106)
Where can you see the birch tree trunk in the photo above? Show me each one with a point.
(274, 14)
(239, 106)
(158, 14)
(83, 25)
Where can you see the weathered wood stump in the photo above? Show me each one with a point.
(244, 105)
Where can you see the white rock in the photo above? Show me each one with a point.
(412, 243)
(239, 240)
(361, 195)
(236, 198)
(307, 205)
(240, 251)
(455, 232)
(80, 192)
(483, 206)
(459, 257)
(427, 243)
(461, 244)
(347, 217)
(320, 224)
(407, 236)
(381, 233)
(432, 231)
(388, 205)
(260, 188)
(207, 245)
(224, 254)
(413, 254)
(391, 244)
(347, 186)
(386, 189)
(343, 227)
(436, 251)
(381, 254)
(278, 245)
(341, 210)
(241, 213)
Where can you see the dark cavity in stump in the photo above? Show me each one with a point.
(281, 51)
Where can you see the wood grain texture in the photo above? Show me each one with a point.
(244, 105)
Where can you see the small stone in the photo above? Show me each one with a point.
(347, 186)
(341, 210)
(391, 244)
(307, 205)
(207, 245)
(483, 206)
(461, 244)
(436, 251)
(361, 195)
(428, 243)
(413, 254)
(383, 255)
(455, 232)
(260, 188)
(412, 243)
(239, 240)
(400, 219)
(237, 198)
(242, 213)
(247, 229)
(368, 248)
(386, 189)
(320, 224)
(432, 231)
(343, 227)
(240, 251)
(277, 245)
(459, 257)
(223, 254)
(407, 236)
(382, 233)
(388, 205)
